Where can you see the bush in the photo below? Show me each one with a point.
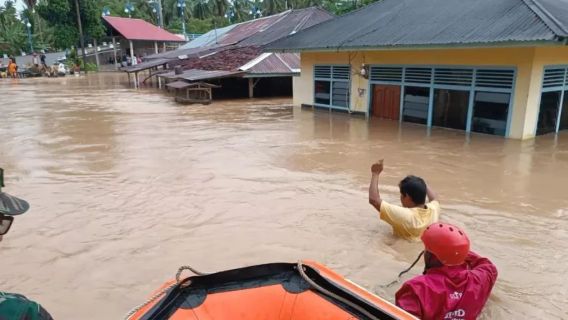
(90, 67)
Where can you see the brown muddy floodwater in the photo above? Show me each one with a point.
(126, 186)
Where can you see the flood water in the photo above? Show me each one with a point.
(126, 186)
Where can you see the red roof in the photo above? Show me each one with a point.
(138, 29)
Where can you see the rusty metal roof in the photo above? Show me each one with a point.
(138, 29)
(273, 64)
(178, 84)
(197, 74)
(399, 23)
(146, 65)
(288, 23)
(242, 43)
(255, 32)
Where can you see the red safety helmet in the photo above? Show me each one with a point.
(447, 242)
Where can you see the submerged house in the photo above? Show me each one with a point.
(494, 67)
(235, 54)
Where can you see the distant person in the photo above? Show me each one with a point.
(410, 220)
(15, 306)
(61, 71)
(128, 60)
(12, 68)
(3, 74)
(42, 57)
(134, 60)
(456, 282)
(35, 60)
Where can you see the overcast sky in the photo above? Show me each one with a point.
(19, 4)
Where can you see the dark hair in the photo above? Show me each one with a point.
(415, 187)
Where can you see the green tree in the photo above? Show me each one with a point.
(62, 18)
(13, 36)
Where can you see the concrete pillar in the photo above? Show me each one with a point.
(131, 50)
(525, 108)
(156, 46)
(251, 88)
(114, 52)
(97, 55)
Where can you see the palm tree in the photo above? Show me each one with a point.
(220, 7)
(12, 31)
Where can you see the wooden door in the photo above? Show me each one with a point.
(386, 102)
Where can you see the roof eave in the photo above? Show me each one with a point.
(271, 75)
(502, 44)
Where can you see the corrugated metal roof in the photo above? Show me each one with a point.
(290, 22)
(273, 63)
(196, 74)
(553, 12)
(391, 23)
(178, 84)
(228, 59)
(263, 30)
(209, 38)
(291, 59)
(146, 65)
(138, 29)
(242, 43)
(189, 52)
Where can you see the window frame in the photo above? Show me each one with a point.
(432, 85)
(331, 81)
(562, 88)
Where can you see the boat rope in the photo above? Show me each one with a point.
(404, 271)
(164, 290)
(333, 295)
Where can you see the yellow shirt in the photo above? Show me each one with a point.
(409, 223)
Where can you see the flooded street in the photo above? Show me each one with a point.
(126, 186)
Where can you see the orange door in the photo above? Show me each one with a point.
(386, 102)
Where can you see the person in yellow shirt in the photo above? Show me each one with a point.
(410, 220)
(12, 68)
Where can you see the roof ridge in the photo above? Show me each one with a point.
(282, 15)
(255, 61)
(547, 18)
(282, 60)
(333, 17)
(302, 22)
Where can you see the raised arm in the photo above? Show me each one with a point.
(431, 194)
(374, 195)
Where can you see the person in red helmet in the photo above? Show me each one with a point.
(456, 282)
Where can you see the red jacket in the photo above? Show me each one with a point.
(450, 293)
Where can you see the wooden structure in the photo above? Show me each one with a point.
(195, 92)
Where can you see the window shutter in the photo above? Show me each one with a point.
(418, 75)
(454, 77)
(502, 79)
(389, 74)
(322, 72)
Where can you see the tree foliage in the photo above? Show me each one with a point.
(62, 17)
(55, 21)
(13, 34)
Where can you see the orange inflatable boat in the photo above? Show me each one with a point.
(279, 291)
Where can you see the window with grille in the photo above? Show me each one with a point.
(386, 74)
(332, 86)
